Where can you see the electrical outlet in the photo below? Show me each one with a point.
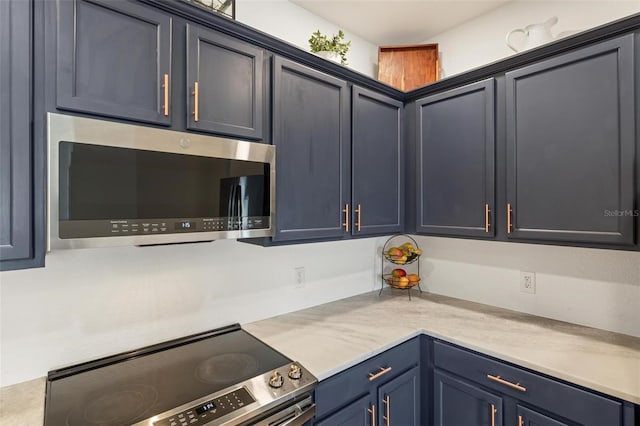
(528, 282)
(298, 277)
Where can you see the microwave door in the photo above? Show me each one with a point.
(229, 199)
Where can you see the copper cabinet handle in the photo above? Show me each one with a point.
(509, 223)
(382, 372)
(515, 386)
(346, 217)
(359, 220)
(387, 404)
(196, 102)
(493, 415)
(372, 411)
(487, 212)
(520, 421)
(165, 86)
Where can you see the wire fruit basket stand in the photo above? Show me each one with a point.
(401, 250)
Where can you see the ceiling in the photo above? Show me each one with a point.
(390, 22)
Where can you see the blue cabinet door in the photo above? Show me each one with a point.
(228, 75)
(462, 403)
(455, 162)
(571, 139)
(18, 185)
(399, 400)
(359, 413)
(377, 169)
(311, 135)
(528, 417)
(114, 59)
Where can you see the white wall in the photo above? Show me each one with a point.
(95, 302)
(597, 288)
(294, 24)
(91, 303)
(482, 40)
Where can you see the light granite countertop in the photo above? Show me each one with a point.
(329, 338)
(332, 337)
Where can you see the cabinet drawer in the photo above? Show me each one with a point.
(564, 400)
(344, 387)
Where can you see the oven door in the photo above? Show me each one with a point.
(293, 414)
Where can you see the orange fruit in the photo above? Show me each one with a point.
(413, 278)
(403, 282)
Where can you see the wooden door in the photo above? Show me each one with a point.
(16, 145)
(399, 400)
(456, 164)
(408, 67)
(528, 417)
(311, 135)
(228, 73)
(462, 403)
(359, 413)
(571, 146)
(377, 169)
(113, 57)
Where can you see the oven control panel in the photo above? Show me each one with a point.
(210, 410)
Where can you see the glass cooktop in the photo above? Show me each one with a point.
(131, 387)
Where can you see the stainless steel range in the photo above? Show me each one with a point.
(222, 377)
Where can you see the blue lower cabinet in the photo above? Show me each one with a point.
(383, 390)
(399, 400)
(359, 413)
(528, 417)
(462, 403)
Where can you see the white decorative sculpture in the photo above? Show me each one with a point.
(536, 34)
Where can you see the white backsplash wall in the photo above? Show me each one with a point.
(482, 40)
(592, 287)
(294, 24)
(94, 302)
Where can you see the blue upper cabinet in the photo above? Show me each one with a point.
(377, 169)
(224, 84)
(114, 59)
(571, 141)
(456, 162)
(18, 185)
(311, 130)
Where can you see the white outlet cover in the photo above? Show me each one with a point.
(528, 282)
(298, 277)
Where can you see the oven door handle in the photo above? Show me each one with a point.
(301, 418)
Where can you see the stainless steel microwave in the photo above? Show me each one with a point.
(113, 184)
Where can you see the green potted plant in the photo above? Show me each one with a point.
(333, 48)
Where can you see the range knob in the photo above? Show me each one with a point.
(295, 372)
(276, 380)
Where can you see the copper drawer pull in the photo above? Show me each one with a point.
(359, 213)
(372, 411)
(196, 102)
(493, 415)
(382, 372)
(165, 86)
(516, 386)
(346, 217)
(487, 212)
(509, 223)
(520, 421)
(387, 404)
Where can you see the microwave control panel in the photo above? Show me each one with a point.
(129, 227)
